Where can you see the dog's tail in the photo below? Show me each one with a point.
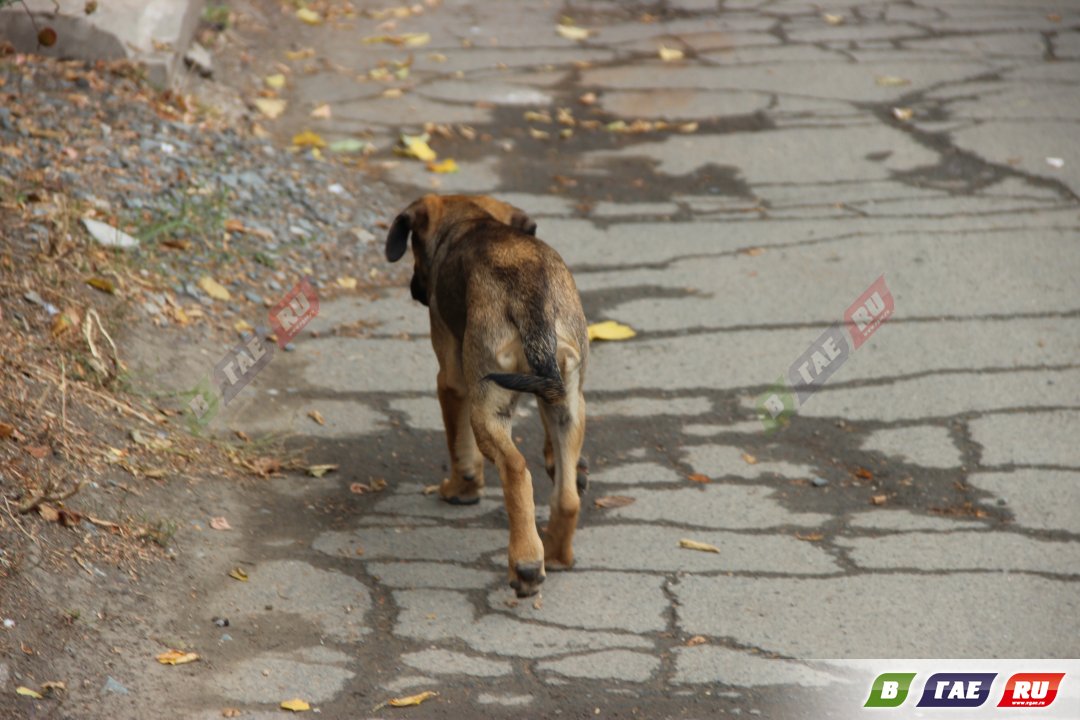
(539, 344)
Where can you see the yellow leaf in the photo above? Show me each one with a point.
(540, 117)
(176, 657)
(322, 112)
(21, 690)
(443, 167)
(749, 459)
(695, 545)
(242, 326)
(238, 574)
(213, 288)
(416, 39)
(349, 283)
(393, 93)
(610, 330)
(412, 699)
(275, 81)
(308, 16)
(270, 107)
(102, 284)
(416, 146)
(316, 416)
(571, 32)
(670, 54)
(539, 134)
(437, 57)
(299, 54)
(903, 114)
(892, 81)
(689, 127)
(296, 705)
(308, 139)
(320, 470)
(833, 19)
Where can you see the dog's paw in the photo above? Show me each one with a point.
(527, 578)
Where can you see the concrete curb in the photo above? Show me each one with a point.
(154, 33)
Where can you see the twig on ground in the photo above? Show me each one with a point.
(37, 500)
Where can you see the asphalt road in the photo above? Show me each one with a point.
(923, 502)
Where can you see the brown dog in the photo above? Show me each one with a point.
(505, 319)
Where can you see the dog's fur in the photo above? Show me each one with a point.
(505, 319)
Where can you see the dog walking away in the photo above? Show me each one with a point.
(506, 318)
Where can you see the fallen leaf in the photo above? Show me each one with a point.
(276, 81)
(230, 712)
(864, 473)
(220, 523)
(749, 459)
(416, 146)
(22, 690)
(690, 127)
(903, 114)
(177, 657)
(308, 16)
(242, 326)
(754, 251)
(610, 330)
(48, 687)
(430, 489)
(296, 705)
(696, 640)
(108, 235)
(48, 513)
(810, 537)
(443, 167)
(105, 286)
(412, 699)
(6, 430)
(322, 112)
(698, 478)
(879, 499)
(316, 416)
(351, 145)
(378, 484)
(320, 470)
(416, 39)
(393, 93)
(833, 19)
(539, 134)
(238, 574)
(46, 37)
(347, 283)
(308, 139)
(613, 501)
(695, 545)
(214, 289)
(38, 451)
(588, 98)
(270, 107)
(572, 32)
(540, 117)
(301, 54)
(670, 54)
(359, 488)
(404, 39)
(891, 81)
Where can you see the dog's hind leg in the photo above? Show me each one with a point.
(466, 463)
(567, 423)
(492, 410)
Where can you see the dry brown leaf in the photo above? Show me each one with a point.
(38, 451)
(864, 473)
(220, 523)
(238, 574)
(359, 488)
(613, 501)
(903, 114)
(754, 251)
(213, 288)
(698, 478)
(412, 699)
(48, 513)
(230, 713)
(696, 640)
(322, 112)
(6, 430)
(177, 657)
(316, 416)
(378, 484)
(833, 19)
(670, 54)
(695, 545)
(588, 98)
(105, 286)
(749, 459)
(810, 537)
(430, 489)
(879, 499)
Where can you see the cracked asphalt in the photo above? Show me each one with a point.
(924, 503)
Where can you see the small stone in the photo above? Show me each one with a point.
(1002, 501)
(289, 347)
(221, 622)
(198, 59)
(818, 481)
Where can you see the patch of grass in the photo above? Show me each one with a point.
(197, 214)
(215, 14)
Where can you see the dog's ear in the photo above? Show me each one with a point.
(412, 219)
(520, 221)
